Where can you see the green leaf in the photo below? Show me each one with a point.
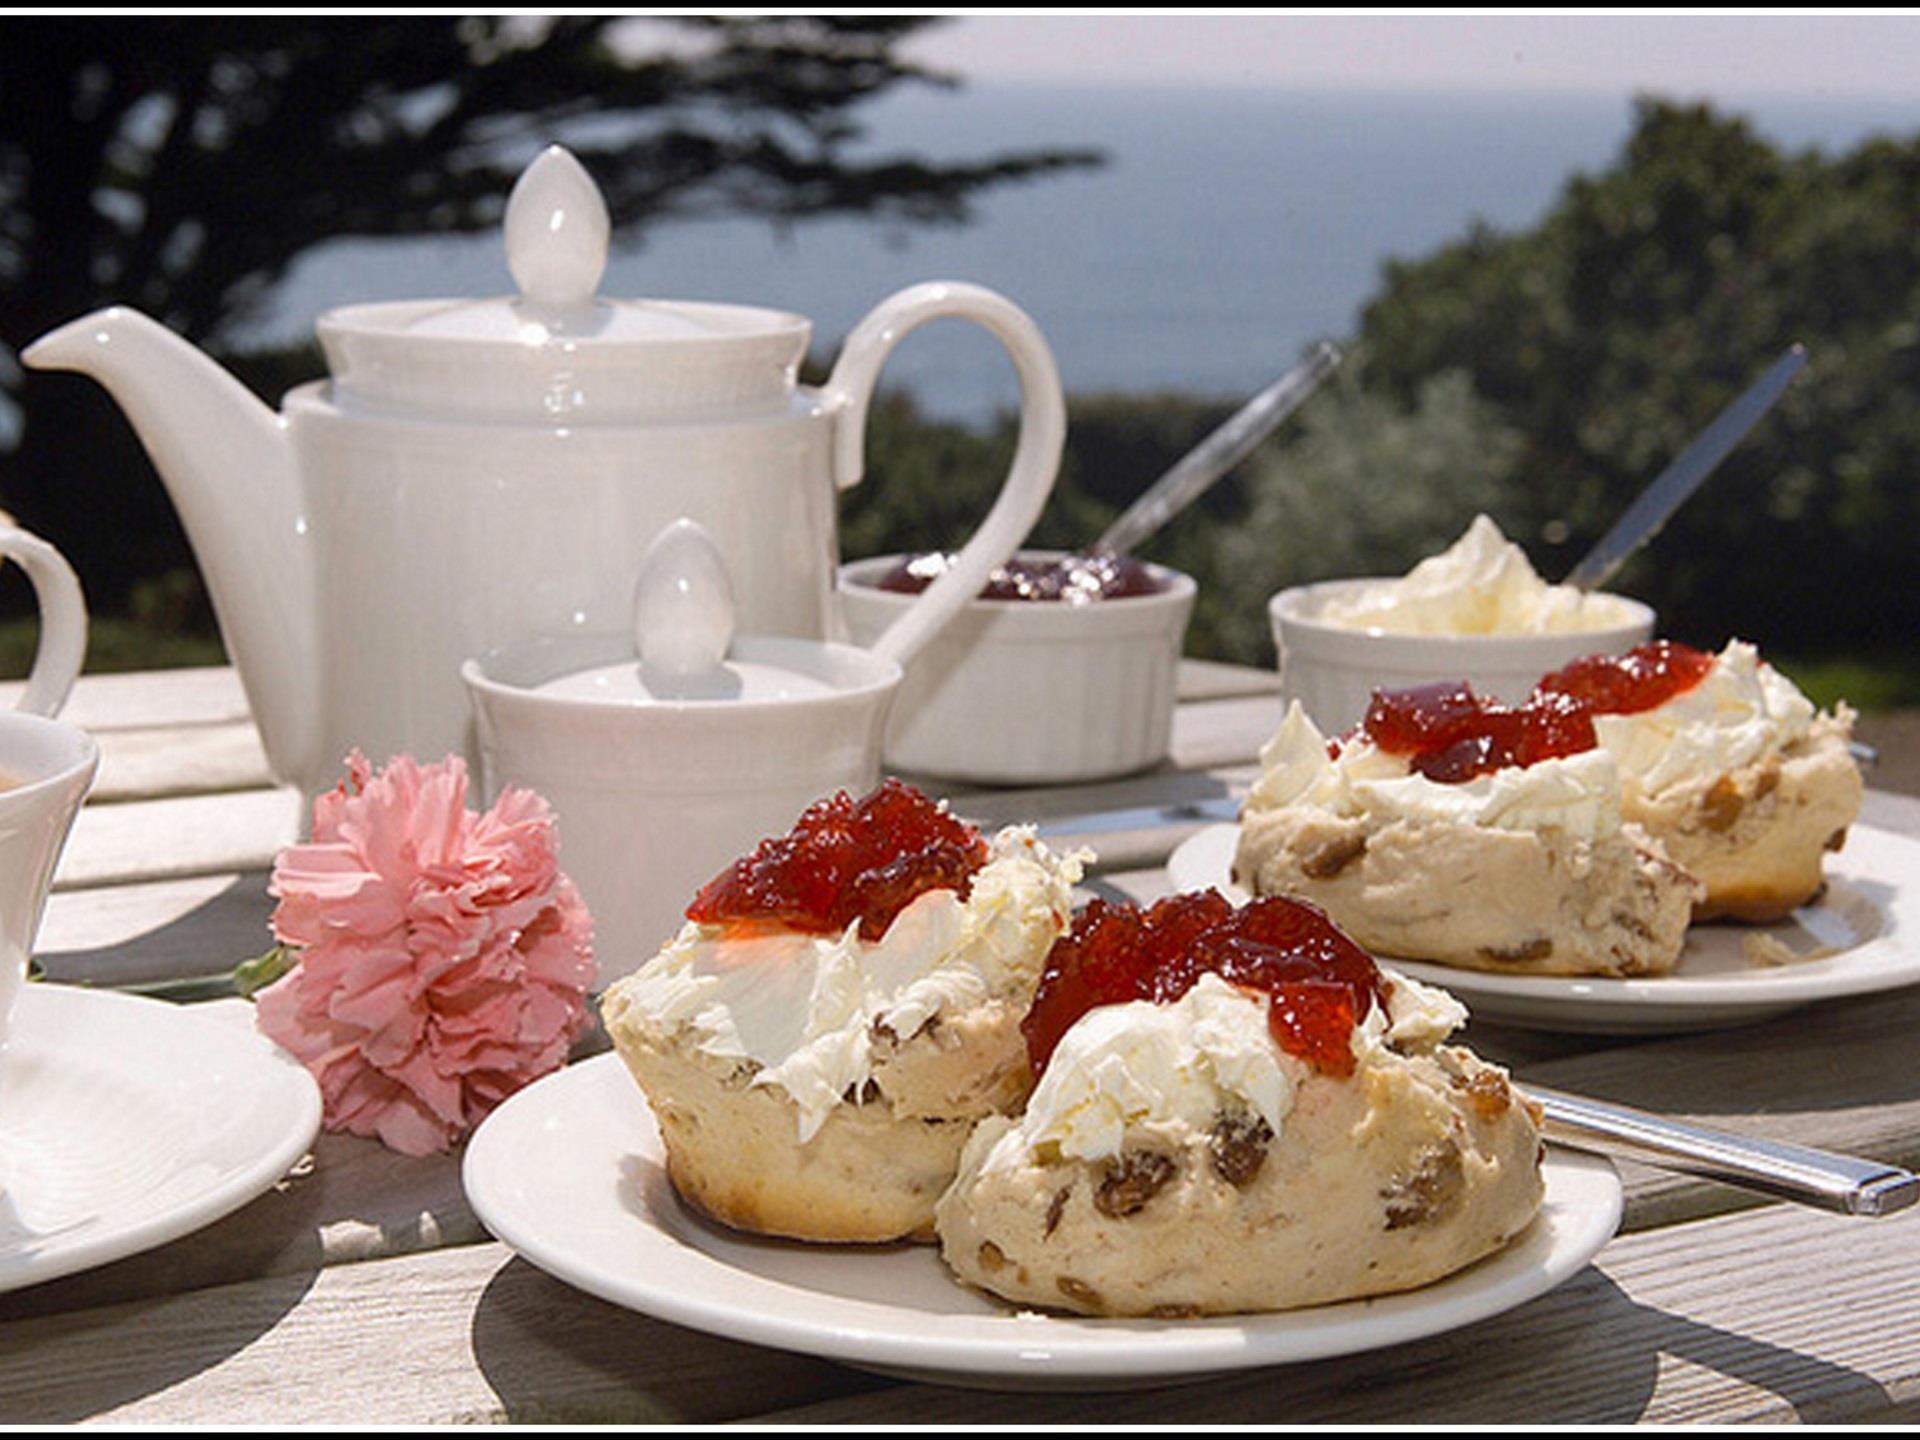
(256, 974)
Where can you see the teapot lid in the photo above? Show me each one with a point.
(558, 350)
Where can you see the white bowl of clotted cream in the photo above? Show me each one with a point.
(1477, 612)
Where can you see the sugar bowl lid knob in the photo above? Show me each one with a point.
(557, 231)
(683, 612)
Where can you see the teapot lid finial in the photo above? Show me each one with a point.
(557, 231)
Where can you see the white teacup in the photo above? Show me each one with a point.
(46, 766)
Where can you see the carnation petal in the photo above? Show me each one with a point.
(406, 1126)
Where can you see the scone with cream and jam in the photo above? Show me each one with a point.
(1237, 1110)
(839, 1009)
(1733, 770)
(1457, 831)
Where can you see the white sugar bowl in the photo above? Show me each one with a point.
(671, 750)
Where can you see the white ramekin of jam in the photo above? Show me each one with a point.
(1061, 671)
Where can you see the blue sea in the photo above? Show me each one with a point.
(1226, 230)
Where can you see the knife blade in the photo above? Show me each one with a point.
(1213, 810)
(1218, 453)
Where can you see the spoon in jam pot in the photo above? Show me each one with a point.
(1105, 569)
(1196, 472)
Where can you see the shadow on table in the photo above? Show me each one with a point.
(80, 1365)
(205, 941)
(1589, 1353)
(1851, 1054)
(556, 1355)
(1586, 1354)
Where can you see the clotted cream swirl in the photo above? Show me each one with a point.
(1742, 710)
(1178, 1066)
(1579, 794)
(1482, 584)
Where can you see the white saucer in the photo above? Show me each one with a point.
(569, 1172)
(1872, 895)
(127, 1122)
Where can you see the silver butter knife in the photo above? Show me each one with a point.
(1820, 1178)
(1671, 487)
(1211, 811)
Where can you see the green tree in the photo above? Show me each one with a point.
(1649, 296)
(180, 165)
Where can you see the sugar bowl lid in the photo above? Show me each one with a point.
(558, 350)
(683, 658)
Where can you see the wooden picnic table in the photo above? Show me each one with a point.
(363, 1290)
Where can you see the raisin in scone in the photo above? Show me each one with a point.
(838, 1011)
(1237, 1112)
(1738, 776)
(1522, 869)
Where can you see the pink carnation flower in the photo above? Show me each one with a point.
(444, 959)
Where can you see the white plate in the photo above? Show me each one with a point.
(1872, 895)
(569, 1172)
(127, 1122)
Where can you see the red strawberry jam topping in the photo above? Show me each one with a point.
(1319, 983)
(1642, 679)
(846, 860)
(1451, 735)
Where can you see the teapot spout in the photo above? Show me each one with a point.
(228, 466)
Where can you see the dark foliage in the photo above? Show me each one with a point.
(181, 164)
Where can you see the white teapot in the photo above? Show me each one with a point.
(477, 475)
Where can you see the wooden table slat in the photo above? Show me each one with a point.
(149, 699)
(178, 836)
(151, 762)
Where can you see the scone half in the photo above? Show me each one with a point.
(878, 1158)
(820, 1086)
(1742, 784)
(1176, 1161)
(1525, 871)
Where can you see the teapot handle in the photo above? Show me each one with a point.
(1036, 456)
(63, 620)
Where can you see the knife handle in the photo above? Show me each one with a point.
(1841, 1183)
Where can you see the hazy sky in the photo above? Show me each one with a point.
(1761, 53)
